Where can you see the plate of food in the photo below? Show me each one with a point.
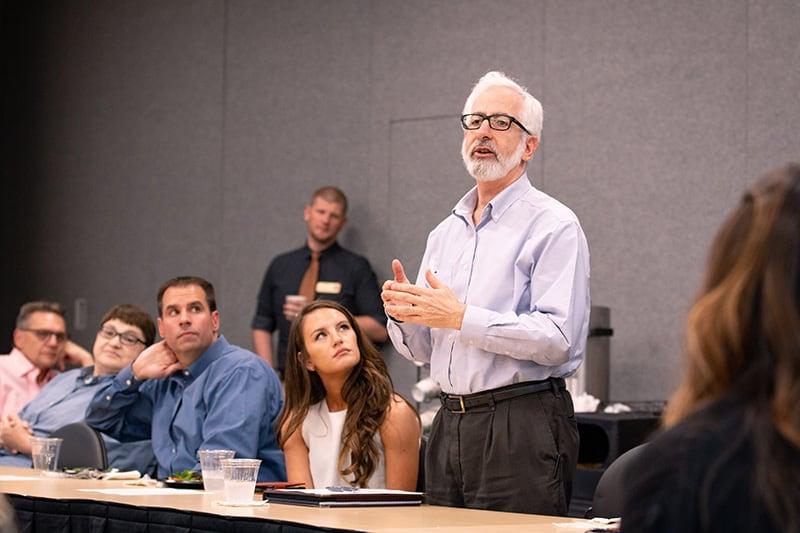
(186, 479)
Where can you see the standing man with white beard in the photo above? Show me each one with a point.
(500, 310)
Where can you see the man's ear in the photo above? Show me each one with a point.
(531, 144)
(17, 335)
(215, 322)
(160, 332)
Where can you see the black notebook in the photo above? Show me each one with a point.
(343, 497)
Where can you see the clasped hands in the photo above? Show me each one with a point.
(435, 306)
(15, 434)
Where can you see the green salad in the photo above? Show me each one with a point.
(186, 475)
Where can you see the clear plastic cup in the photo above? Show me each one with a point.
(212, 468)
(44, 452)
(240, 479)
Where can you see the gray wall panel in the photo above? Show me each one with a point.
(644, 142)
(297, 117)
(773, 103)
(129, 145)
(186, 137)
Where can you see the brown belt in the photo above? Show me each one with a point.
(461, 404)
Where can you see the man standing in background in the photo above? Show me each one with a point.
(320, 269)
(501, 312)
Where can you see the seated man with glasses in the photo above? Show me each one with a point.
(40, 345)
(125, 331)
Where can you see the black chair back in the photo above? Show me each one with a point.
(83, 447)
(608, 494)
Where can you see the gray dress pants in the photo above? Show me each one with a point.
(518, 455)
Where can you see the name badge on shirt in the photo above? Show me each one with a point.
(328, 287)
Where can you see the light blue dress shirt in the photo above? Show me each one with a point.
(523, 273)
(228, 399)
(63, 401)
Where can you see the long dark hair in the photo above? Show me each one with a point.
(368, 392)
(743, 332)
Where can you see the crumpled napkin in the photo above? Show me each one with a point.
(116, 474)
(617, 408)
(144, 481)
(585, 403)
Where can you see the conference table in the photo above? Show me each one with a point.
(67, 504)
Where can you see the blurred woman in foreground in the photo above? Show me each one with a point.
(730, 460)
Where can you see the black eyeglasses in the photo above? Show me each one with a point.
(498, 121)
(128, 339)
(45, 334)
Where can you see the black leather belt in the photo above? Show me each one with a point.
(461, 404)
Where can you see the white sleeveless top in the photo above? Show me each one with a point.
(322, 433)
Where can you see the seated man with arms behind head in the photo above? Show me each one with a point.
(193, 390)
(124, 332)
(41, 344)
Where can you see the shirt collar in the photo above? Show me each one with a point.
(327, 251)
(23, 366)
(214, 352)
(87, 377)
(498, 205)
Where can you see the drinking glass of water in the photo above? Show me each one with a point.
(239, 477)
(212, 469)
(44, 452)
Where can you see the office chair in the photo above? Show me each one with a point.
(608, 494)
(83, 447)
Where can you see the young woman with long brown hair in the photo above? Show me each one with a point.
(342, 423)
(730, 460)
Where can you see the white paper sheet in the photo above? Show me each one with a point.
(143, 491)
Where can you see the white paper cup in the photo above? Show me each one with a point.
(212, 468)
(240, 476)
(45, 452)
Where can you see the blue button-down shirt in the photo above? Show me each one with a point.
(227, 399)
(63, 401)
(523, 272)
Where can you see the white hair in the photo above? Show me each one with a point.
(532, 113)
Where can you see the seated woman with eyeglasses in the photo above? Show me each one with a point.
(730, 460)
(342, 424)
(124, 332)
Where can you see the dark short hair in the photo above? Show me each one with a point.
(185, 281)
(134, 316)
(40, 306)
(332, 194)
